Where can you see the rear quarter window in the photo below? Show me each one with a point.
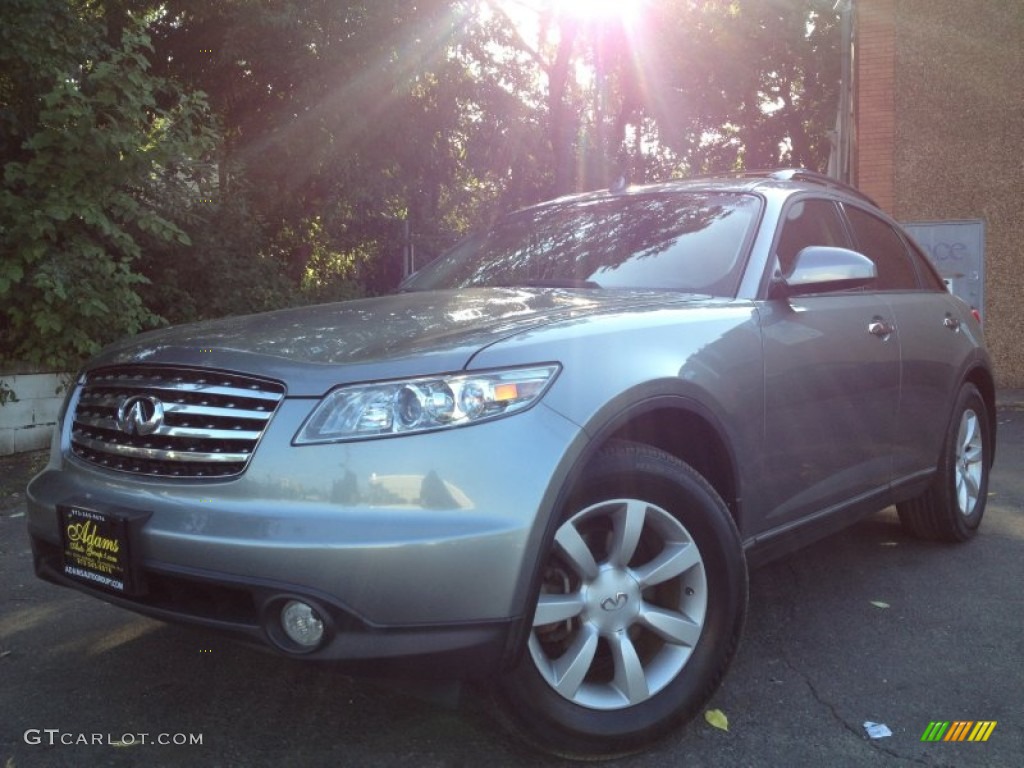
(880, 242)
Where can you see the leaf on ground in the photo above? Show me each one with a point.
(717, 719)
(879, 604)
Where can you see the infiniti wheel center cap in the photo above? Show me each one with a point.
(613, 599)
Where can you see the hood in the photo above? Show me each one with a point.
(392, 336)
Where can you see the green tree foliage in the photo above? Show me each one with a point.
(180, 159)
(88, 152)
(681, 87)
(754, 85)
(225, 268)
(347, 119)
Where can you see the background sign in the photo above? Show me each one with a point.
(957, 249)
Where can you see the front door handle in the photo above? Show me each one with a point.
(880, 328)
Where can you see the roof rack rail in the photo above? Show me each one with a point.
(790, 174)
(813, 177)
(793, 174)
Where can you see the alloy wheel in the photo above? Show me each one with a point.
(622, 605)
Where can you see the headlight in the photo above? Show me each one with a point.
(419, 405)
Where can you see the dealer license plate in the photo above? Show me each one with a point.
(98, 547)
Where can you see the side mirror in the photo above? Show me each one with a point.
(821, 268)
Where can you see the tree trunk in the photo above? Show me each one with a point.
(562, 126)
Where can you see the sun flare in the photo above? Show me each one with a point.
(596, 9)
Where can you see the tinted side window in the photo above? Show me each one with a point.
(808, 222)
(877, 240)
(927, 273)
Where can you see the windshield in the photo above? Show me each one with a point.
(678, 241)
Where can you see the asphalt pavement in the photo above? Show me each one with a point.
(869, 625)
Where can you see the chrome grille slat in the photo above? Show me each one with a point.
(110, 425)
(210, 410)
(212, 421)
(170, 386)
(111, 402)
(156, 453)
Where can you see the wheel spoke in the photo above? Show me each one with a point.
(570, 669)
(629, 524)
(968, 431)
(967, 491)
(576, 551)
(971, 484)
(973, 454)
(630, 678)
(672, 626)
(969, 458)
(552, 609)
(676, 559)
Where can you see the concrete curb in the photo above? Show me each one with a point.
(1010, 398)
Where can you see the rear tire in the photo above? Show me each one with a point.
(952, 507)
(640, 610)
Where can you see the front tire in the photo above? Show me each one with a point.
(640, 610)
(952, 507)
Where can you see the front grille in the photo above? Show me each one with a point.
(198, 423)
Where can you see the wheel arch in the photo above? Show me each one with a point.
(684, 430)
(981, 377)
(680, 425)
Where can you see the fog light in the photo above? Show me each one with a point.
(302, 624)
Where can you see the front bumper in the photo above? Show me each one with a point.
(412, 545)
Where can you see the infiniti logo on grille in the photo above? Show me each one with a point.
(140, 415)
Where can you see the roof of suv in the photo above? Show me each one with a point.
(787, 179)
(793, 176)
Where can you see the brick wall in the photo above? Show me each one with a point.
(27, 424)
(960, 143)
(875, 60)
(940, 135)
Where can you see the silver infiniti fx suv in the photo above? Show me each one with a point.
(548, 459)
